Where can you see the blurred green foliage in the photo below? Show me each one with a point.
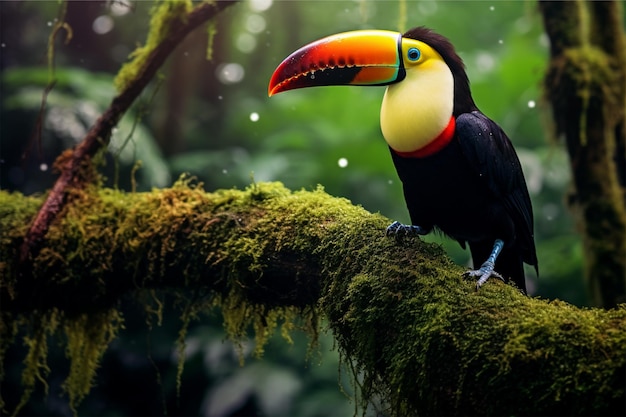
(215, 121)
(77, 100)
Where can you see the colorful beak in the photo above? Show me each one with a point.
(362, 57)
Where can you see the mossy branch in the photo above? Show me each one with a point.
(416, 332)
(172, 21)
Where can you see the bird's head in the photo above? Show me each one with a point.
(426, 78)
(362, 57)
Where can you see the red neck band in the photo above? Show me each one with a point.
(435, 146)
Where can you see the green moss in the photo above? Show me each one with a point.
(88, 337)
(429, 350)
(585, 85)
(188, 314)
(252, 250)
(211, 32)
(164, 13)
(101, 226)
(578, 75)
(36, 343)
(412, 330)
(16, 212)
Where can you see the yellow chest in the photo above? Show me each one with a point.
(417, 109)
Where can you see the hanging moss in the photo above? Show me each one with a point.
(90, 247)
(211, 32)
(415, 333)
(428, 355)
(88, 337)
(35, 363)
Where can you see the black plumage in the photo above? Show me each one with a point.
(468, 181)
(473, 190)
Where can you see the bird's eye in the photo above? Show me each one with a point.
(413, 54)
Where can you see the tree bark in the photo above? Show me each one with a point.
(586, 87)
(415, 331)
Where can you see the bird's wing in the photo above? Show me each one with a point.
(490, 152)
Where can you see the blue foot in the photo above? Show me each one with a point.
(484, 273)
(486, 270)
(405, 230)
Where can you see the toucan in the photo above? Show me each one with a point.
(459, 171)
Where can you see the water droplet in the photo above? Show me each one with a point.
(49, 24)
(312, 76)
(485, 61)
(500, 41)
(4, 45)
(260, 5)
(43, 167)
(531, 104)
(102, 24)
(342, 162)
(254, 117)
(220, 97)
(550, 211)
(255, 23)
(427, 8)
(246, 43)
(120, 7)
(224, 171)
(492, 8)
(230, 73)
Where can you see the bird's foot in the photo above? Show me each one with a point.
(398, 229)
(484, 273)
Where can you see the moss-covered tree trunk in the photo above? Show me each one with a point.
(586, 86)
(420, 336)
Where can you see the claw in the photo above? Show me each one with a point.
(486, 270)
(484, 273)
(398, 229)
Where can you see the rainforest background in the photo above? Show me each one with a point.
(213, 119)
